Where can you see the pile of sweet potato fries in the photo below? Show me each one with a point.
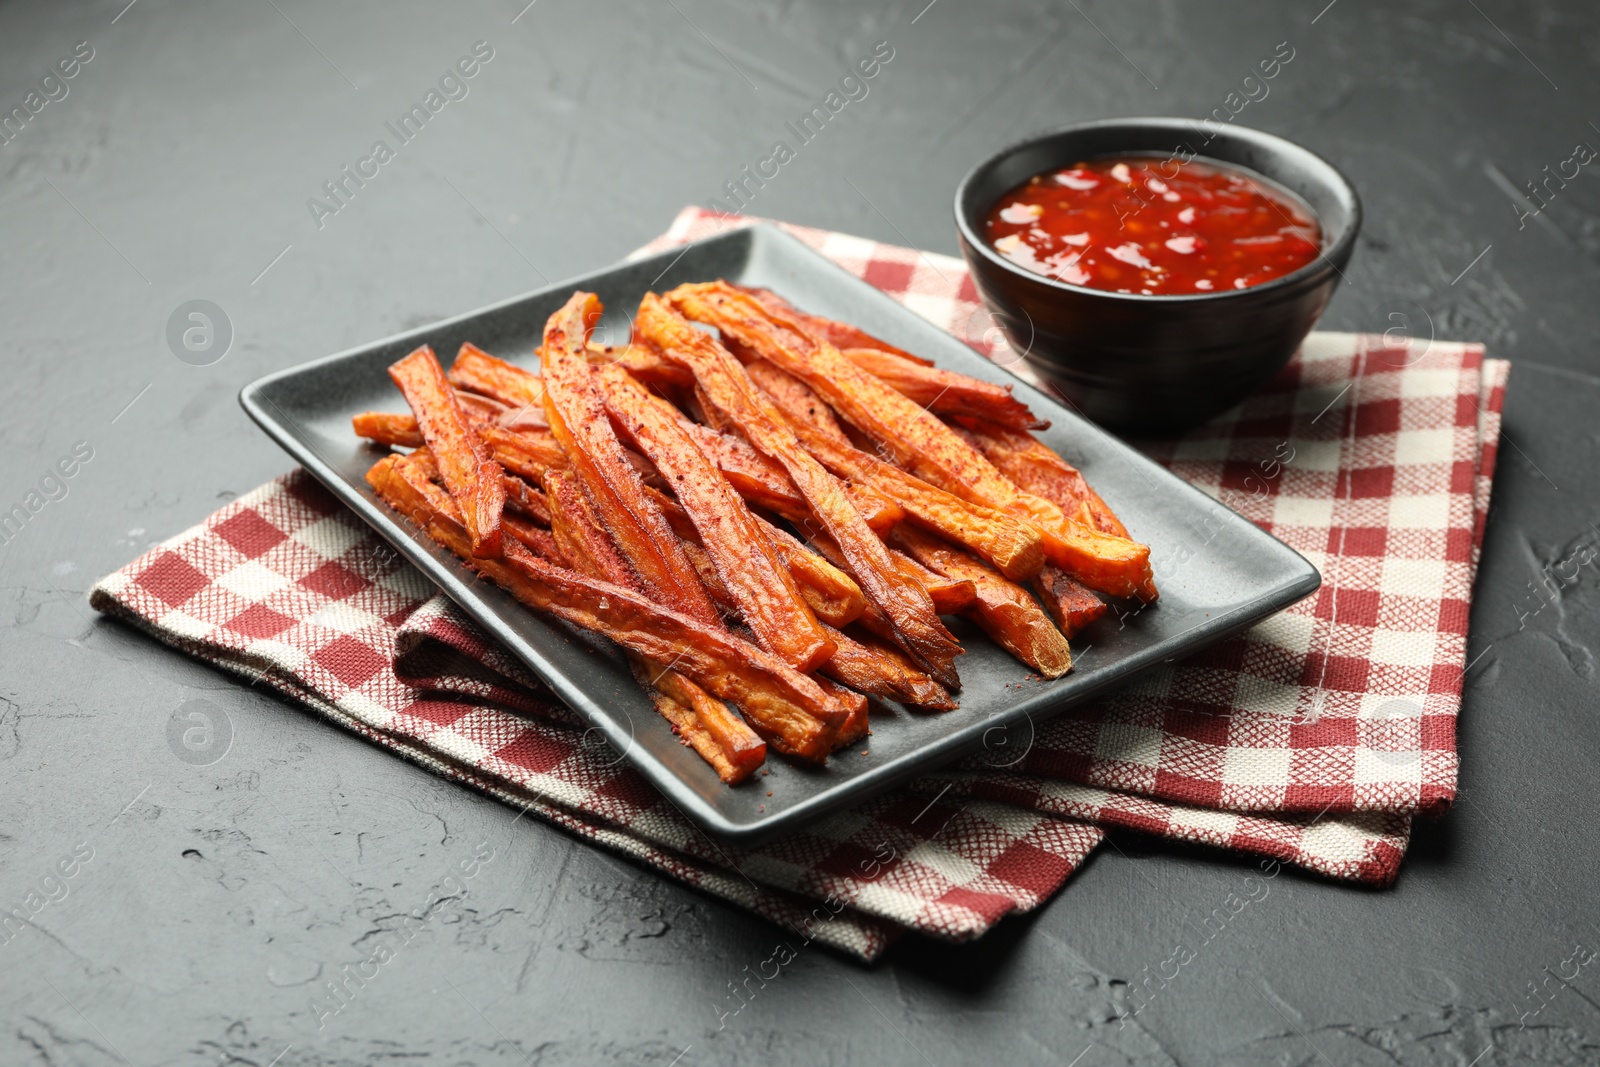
(771, 516)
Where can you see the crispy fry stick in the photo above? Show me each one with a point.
(950, 596)
(396, 429)
(744, 558)
(705, 723)
(1003, 608)
(856, 726)
(536, 538)
(754, 476)
(724, 380)
(946, 392)
(1036, 467)
(641, 361)
(877, 669)
(838, 334)
(578, 534)
(540, 540)
(1070, 603)
(578, 420)
(833, 595)
(720, 737)
(526, 500)
(919, 441)
(471, 475)
(777, 699)
(529, 453)
(798, 400)
(766, 484)
(477, 371)
(1014, 547)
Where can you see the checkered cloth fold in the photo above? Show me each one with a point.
(1311, 739)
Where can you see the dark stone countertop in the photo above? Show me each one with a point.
(177, 167)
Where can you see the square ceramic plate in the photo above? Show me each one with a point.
(1233, 576)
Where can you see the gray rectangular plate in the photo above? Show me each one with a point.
(1218, 572)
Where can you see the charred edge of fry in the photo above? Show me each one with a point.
(881, 671)
(1003, 609)
(857, 725)
(718, 736)
(1070, 603)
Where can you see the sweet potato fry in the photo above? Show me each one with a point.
(729, 387)
(578, 421)
(877, 669)
(643, 362)
(1014, 547)
(528, 454)
(856, 725)
(705, 723)
(476, 371)
(918, 440)
(832, 595)
(720, 737)
(421, 463)
(749, 567)
(1003, 608)
(946, 392)
(1036, 468)
(754, 476)
(1070, 603)
(396, 429)
(524, 499)
(578, 534)
(776, 698)
(798, 401)
(838, 334)
(537, 538)
(471, 475)
(950, 596)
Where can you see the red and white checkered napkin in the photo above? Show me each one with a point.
(1345, 705)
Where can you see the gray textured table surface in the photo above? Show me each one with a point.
(178, 166)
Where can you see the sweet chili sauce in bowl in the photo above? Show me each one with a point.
(1154, 272)
(1154, 225)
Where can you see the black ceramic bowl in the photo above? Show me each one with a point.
(1157, 364)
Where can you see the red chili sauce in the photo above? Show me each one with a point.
(1153, 225)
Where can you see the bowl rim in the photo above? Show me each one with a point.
(1282, 145)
